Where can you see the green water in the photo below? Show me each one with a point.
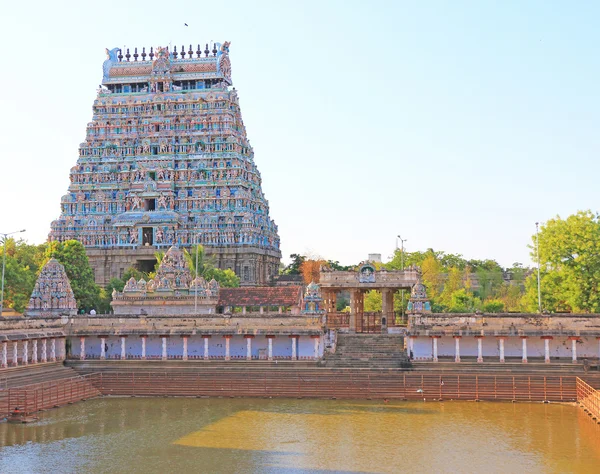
(263, 436)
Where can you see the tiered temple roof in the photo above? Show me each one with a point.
(171, 291)
(52, 294)
(166, 161)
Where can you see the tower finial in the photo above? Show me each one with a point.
(144, 53)
(135, 54)
(198, 52)
(206, 51)
(128, 56)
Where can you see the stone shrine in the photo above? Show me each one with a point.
(166, 161)
(52, 294)
(171, 292)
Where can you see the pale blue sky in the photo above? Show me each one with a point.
(456, 124)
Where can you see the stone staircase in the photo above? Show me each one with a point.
(368, 351)
(34, 373)
(494, 367)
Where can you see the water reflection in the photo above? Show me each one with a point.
(256, 435)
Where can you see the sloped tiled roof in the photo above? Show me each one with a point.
(261, 296)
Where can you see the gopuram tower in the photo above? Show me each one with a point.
(166, 161)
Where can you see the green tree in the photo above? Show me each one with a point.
(463, 302)
(23, 263)
(71, 254)
(493, 306)
(453, 283)
(207, 268)
(205, 262)
(373, 301)
(226, 278)
(569, 252)
(294, 267)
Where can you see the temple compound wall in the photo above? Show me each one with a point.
(172, 316)
(166, 161)
(500, 337)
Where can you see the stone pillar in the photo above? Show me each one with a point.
(479, 348)
(280, 309)
(317, 340)
(261, 310)
(243, 310)
(411, 346)
(387, 298)
(15, 353)
(123, 348)
(435, 348)
(164, 347)
(547, 348)
(4, 363)
(457, 348)
(185, 347)
(270, 352)
(574, 340)
(102, 347)
(25, 352)
(294, 349)
(227, 353)
(501, 343)
(524, 342)
(384, 307)
(82, 348)
(52, 349)
(248, 347)
(45, 351)
(354, 302)
(206, 338)
(143, 347)
(34, 351)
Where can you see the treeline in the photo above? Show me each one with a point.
(24, 262)
(569, 257)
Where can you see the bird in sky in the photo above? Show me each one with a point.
(185, 24)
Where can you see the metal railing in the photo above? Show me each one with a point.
(342, 383)
(368, 322)
(589, 399)
(44, 395)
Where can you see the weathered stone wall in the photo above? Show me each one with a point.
(505, 324)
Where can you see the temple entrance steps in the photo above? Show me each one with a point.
(368, 351)
(34, 373)
(510, 366)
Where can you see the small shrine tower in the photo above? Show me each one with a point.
(52, 294)
(418, 302)
(312, 300)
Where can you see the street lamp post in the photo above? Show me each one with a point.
(537, 248)
(4, 265)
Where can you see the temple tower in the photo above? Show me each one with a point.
(166, 161)
(52, 294)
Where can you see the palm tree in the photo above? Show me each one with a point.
(205, 262)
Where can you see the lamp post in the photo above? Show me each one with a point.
(4, 265)
(537, 248)
(401, 268)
